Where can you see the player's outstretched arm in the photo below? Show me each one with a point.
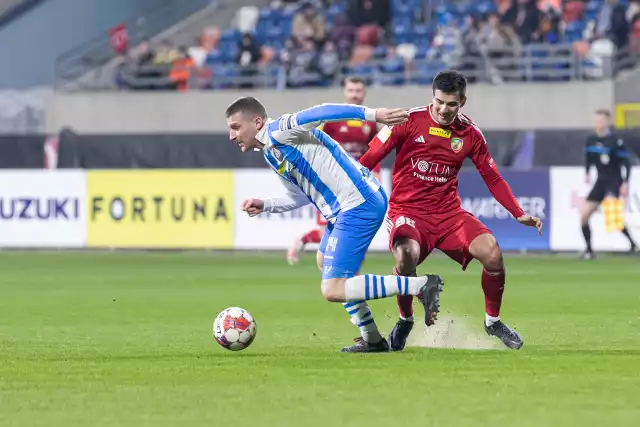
(292, 199)
(314, 116)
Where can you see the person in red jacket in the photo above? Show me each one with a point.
(354, 136)
(424, 208)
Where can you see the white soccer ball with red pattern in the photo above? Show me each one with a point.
(234, 328)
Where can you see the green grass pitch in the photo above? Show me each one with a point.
(89, 339)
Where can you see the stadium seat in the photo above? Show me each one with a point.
(214, 57)
(404, 7)
(223, 76)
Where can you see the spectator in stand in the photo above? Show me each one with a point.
(612, 23)
(633, 11)
(182, 69)
(328, 61)
(166, 53)
(308, 24)
(524, 17)
(369, 12)
(472, 48)
(447, 44)
(343, 35)
(303, 65)
(249, 55)
(144, 55)
(394, 66)
(549, 31)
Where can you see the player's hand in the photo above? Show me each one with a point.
(253, 207)
(624, 190)
(587, 179)
(391, 116)
(531, 221)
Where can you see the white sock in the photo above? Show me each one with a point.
(371, 286)
(490, 320)
(361, 317)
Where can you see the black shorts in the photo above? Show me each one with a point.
(602, 189)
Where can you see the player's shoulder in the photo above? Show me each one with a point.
(418, 114)
(465, 122)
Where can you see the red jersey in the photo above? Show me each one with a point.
(353, 135)
(428, 159)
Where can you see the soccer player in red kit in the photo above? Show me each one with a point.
(424, 208)
(354, 136)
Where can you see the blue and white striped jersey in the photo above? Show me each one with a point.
(314, 162)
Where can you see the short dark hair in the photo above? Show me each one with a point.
(603, 112)
(450, 81)
(248, 104)
(354, 79)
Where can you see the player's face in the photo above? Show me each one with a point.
(601, 122)
(354, 93)
(446, 106)
(243, 129)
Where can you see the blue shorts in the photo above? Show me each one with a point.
(345, 242)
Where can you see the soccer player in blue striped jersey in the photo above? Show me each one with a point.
(314, 168)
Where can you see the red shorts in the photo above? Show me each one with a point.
(452, 233)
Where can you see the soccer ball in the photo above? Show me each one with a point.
(234, 328)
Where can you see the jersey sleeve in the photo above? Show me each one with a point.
(382, 144)
(621, 152)
(292, 198)
(488, 169)
(288, 127)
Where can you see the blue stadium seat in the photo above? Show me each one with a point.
(484, 8)
(402, 33)
(380, 52)
(365, 71)
(231, 35)
(425, 71)
(214, 57)
(223, 76)
(391, 72)
(230, 52)
(404, 7)
(573, 31)
(422, 33)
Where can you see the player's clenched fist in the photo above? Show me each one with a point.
(531, 221)
(253, 207)
(391, 116)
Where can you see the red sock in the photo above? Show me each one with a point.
(405, 302)
(312, 237)
(493, 287)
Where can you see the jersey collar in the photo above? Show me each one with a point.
(263, 135)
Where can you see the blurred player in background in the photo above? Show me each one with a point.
(316, 169)
(354, 136)
(424, 209)
(606, 151)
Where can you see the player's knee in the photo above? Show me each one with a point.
(406, 257)
(333, 290)
(492, 259)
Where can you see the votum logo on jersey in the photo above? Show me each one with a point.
(442, 172)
